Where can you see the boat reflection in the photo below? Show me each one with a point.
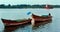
(13, 28)
(40, 24)
(10, 29)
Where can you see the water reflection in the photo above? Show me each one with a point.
(13, 28)
(23, 27)
(10, 28)
(40, 25)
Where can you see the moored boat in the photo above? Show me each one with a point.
(44, 18)
(15, 22)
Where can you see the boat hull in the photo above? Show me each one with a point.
(15, 23)
(40, 19)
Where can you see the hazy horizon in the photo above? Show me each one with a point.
(30, 2)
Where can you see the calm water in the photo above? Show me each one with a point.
(22, 13)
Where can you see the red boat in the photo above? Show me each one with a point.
(42, 18)
(14, 22)
(38, 20)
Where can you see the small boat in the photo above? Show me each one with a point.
(48, 7)
(15, 22)
(40, 19)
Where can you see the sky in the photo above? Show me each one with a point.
(31, 2)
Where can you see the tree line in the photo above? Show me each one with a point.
(27, 6)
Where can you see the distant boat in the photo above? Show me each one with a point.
(43, 18)
(48, 7)
(15, 22)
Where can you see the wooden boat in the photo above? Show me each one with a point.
(40, 19)
(14, 22)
